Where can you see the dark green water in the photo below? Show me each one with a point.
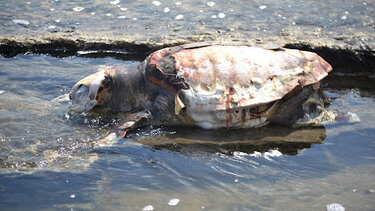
(48, 161)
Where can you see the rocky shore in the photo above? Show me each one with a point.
(342, 32)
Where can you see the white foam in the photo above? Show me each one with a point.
(353, 118)
(239, 154)
(256, 154)
(272, 153)
(1, 92)
(267, 155)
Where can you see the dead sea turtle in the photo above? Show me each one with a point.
(211, 85)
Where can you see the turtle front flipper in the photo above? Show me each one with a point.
(130, 122)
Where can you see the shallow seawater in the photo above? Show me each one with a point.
(48, 160)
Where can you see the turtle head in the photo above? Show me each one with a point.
(93, 91)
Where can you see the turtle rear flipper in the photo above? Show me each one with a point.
(327, 117)
(317, 113)
(308, 107)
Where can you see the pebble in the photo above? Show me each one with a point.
(178, 17)
(178, 3)
(114, 2)
(173, 202)
(335, 207)
(221, 15)
(156, 3)
(166, 9)
(72, 196)
(211, 3)
(262, 7)
(78, 9)
(22, 22)
(148, 208)
(121, 17)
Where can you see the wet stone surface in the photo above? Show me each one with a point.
(140, 25)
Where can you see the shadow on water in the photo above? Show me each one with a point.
(192, 140)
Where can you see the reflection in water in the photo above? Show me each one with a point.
(287, 140)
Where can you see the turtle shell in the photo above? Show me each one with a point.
(222, 80)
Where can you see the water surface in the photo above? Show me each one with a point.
(48, 160)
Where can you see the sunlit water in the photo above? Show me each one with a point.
(48, 160)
